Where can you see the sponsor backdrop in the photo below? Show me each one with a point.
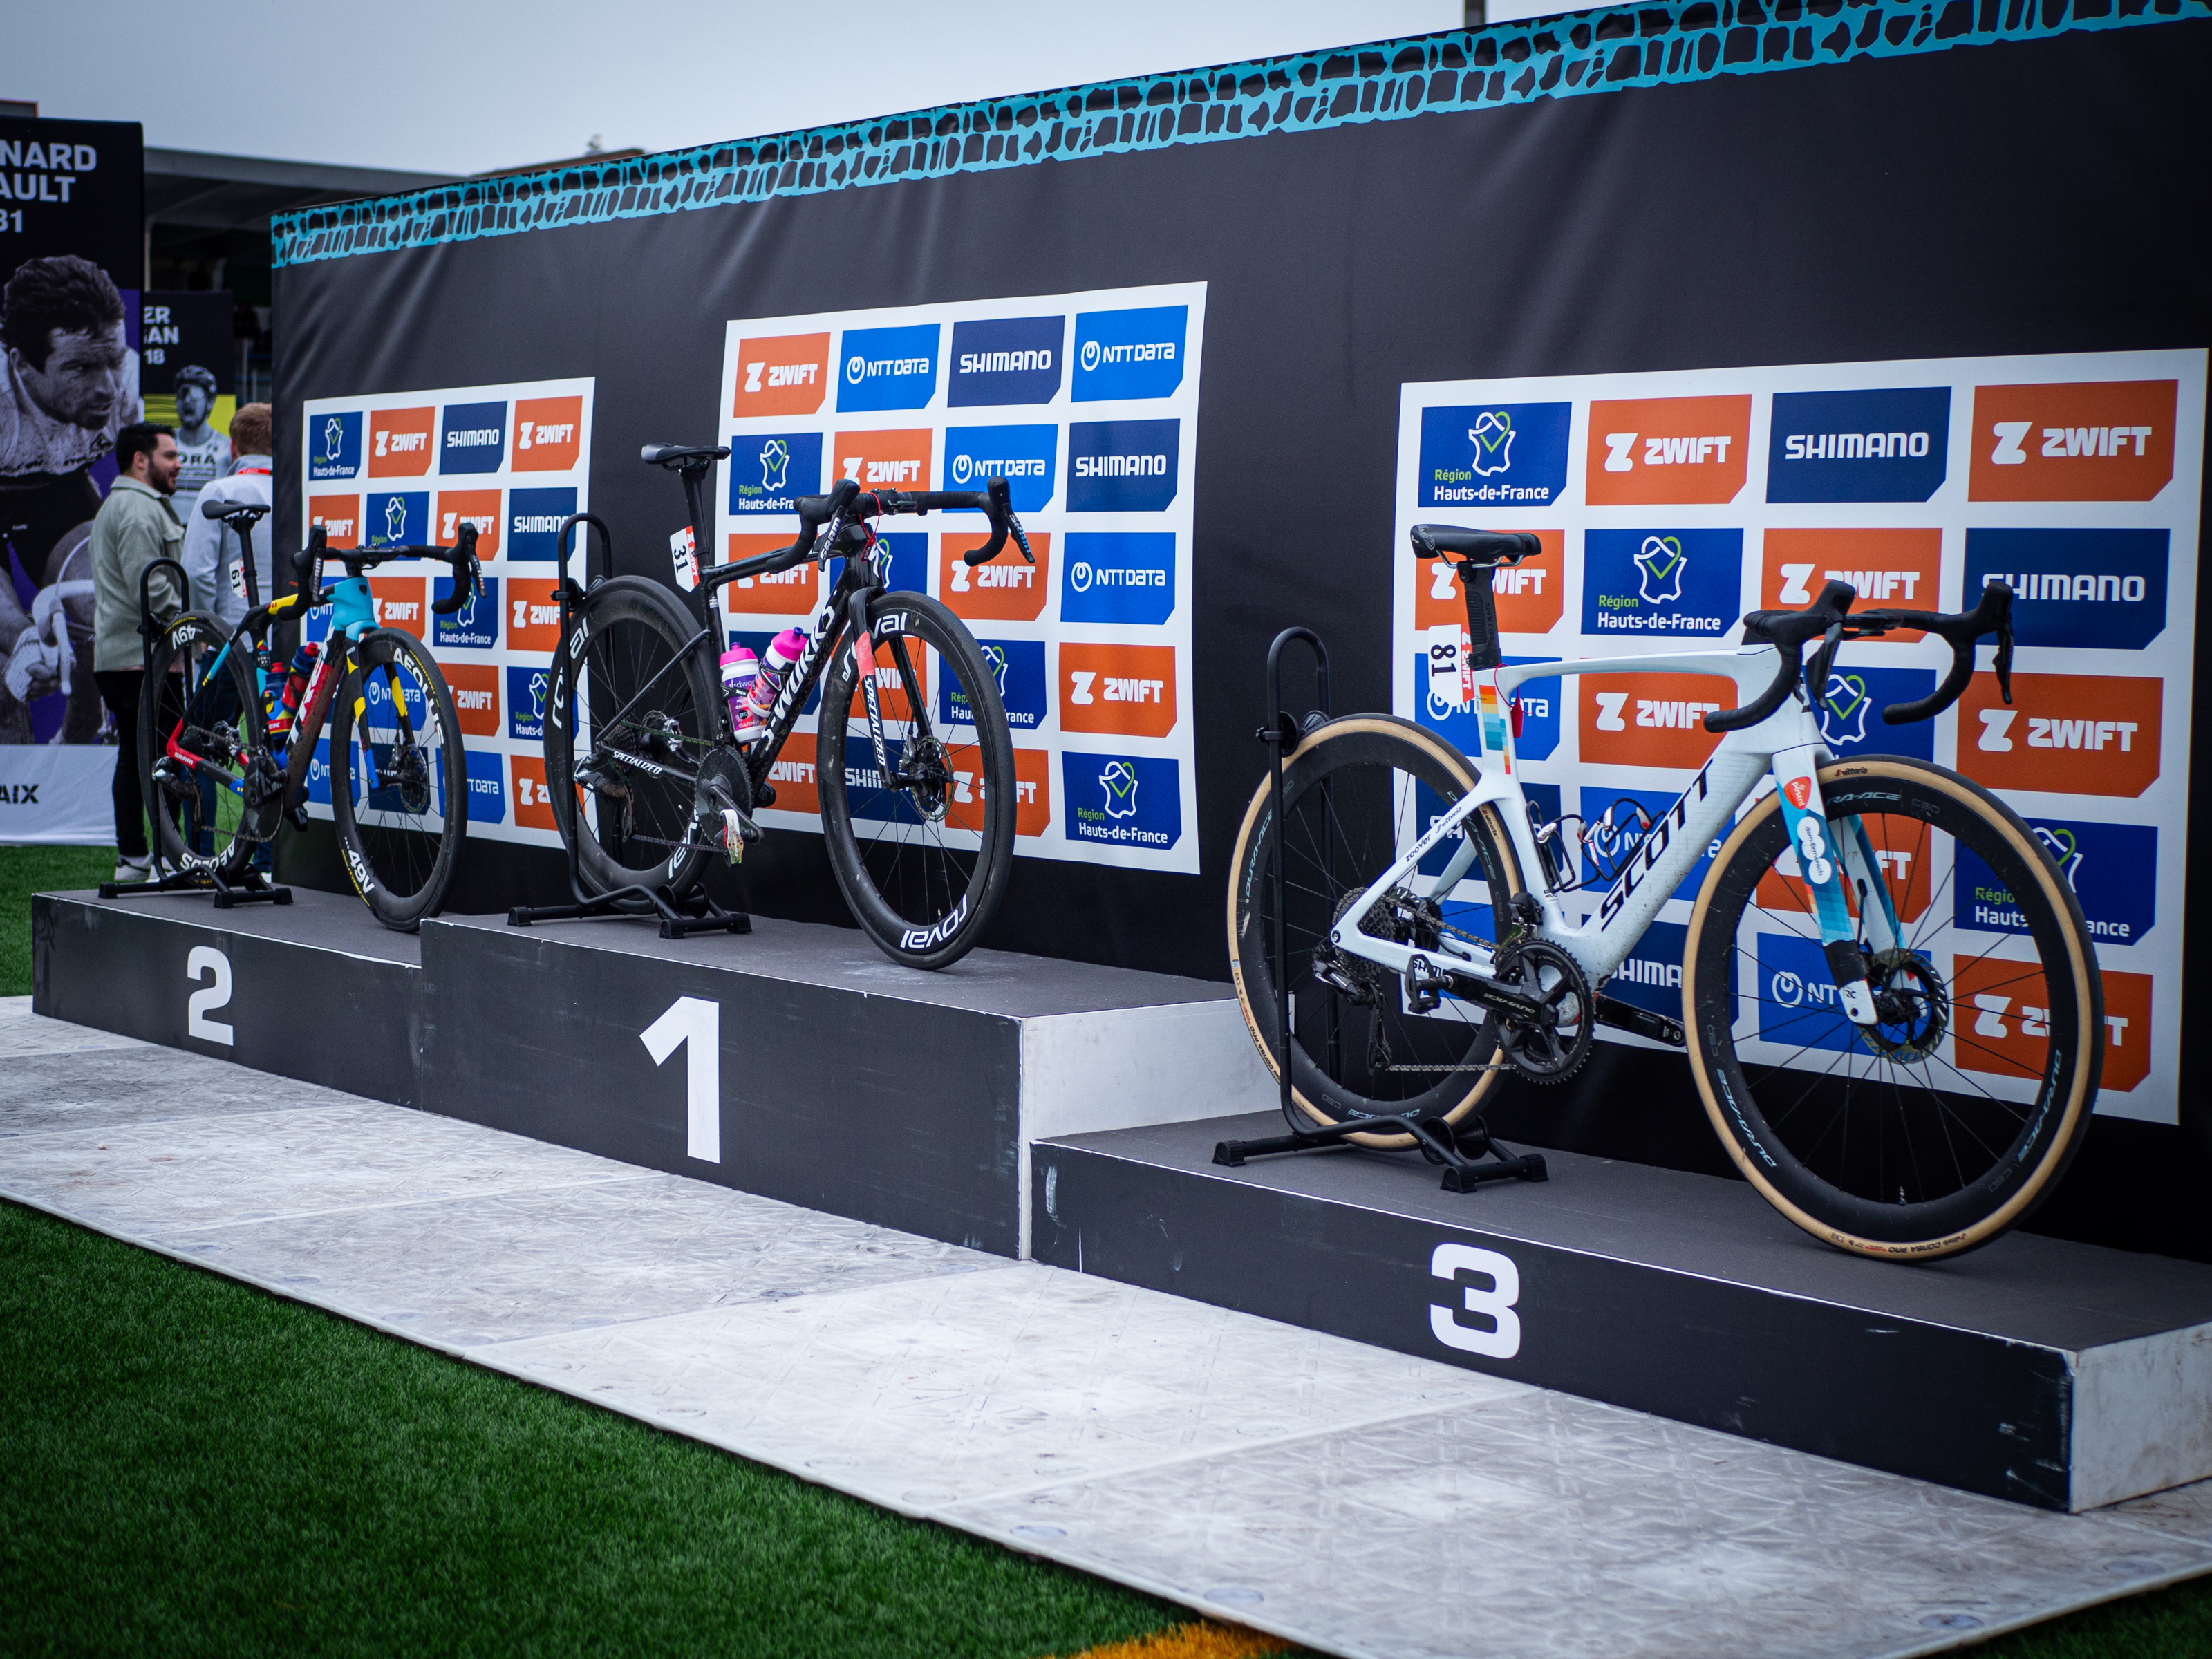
(1087, 405)
(397, 469)
(1657, 192)
(1669, 504)
(70, 260)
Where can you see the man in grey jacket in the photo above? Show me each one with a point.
(137, 525)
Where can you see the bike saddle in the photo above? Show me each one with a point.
(1477, 547)
(251, 512)
(678, 454)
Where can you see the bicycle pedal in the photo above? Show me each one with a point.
(1423, 984)
(733, 835)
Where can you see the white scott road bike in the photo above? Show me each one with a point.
(1893, 1079)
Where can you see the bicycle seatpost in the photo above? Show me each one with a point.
(694, 500)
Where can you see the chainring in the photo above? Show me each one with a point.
(1553, 1051)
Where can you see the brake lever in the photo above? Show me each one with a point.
(2004, 655)
(1824, 659)
(1014, 526)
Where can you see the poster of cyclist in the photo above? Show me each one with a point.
(1087, 405)
(70, 265)
(398, 469)
(1670, 505)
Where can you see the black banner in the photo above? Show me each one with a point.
(1863, 209)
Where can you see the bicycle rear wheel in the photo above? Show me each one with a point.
(1357, 793)
(1932, 1132)
(197, 753)
(923, 860)
(399, 785)
(631, 696)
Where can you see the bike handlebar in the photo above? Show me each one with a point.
(847, 502)
(1829, 616)
(468, 572)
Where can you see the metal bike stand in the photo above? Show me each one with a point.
(1455, 1147)
(256, 886)
(680, 914)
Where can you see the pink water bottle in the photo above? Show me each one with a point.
(785, 649)
(740, 669)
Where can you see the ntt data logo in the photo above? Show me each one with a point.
(1122, 800)
(1013, 359)
(1130, 354)
(888, 368)
(1123, 466)
(1493, 454)
(1025, 456)
(334, 446)
(1118, 577)
(1859, 446)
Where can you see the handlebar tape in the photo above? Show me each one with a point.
(1787, 631)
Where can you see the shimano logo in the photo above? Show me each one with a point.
(1854, 445)
(476, 438)
(543, 524)
(1637, 971)
(2081, 585)
(1005, 363)
(1120, 466)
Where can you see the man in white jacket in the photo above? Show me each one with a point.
(210, 556)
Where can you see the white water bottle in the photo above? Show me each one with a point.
(740, 668)
(785, 649)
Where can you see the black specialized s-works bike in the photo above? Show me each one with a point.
(914, 762)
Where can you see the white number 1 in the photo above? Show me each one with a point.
(694, 1025)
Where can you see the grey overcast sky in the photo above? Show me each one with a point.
(468, 86)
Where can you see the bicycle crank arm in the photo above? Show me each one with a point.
(618, 761)
(1424, 979)
(1627, 1017)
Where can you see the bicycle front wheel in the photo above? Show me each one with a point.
(1357, 793)
(922, 856)
(200, 742)
(399, 785)
(633, 706)
(1933, 1131)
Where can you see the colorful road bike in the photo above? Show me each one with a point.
(1896, 1081)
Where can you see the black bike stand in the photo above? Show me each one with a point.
(692, 913)
(256, 886)
(1457, 1147)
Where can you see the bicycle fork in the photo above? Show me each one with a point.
(1825, 868)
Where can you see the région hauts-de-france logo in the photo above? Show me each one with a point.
(775, 457)
(395, 519)
(1842, 717)
(1660, 562)
(1492, 437)
(1120, 783)
(2064, 847)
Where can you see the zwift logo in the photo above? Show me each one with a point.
(1493, 454)
(334, 446)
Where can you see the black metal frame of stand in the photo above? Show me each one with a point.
(256, 886)
(1457, 1147)
(681, 913)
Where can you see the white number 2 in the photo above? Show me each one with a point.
(205, 958)
(1502, 1340)
(694, 1025)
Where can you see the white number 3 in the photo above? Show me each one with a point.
(1503, 1339)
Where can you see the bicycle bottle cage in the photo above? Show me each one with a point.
(1475, 554)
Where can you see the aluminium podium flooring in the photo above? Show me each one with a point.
(1354, 1500)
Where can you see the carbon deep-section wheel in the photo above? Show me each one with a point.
(202, 749)
(399, 783)
(1946, 1122)
(631, 715)
(1357, 793)
(922, 855)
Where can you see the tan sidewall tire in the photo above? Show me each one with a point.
(1453, 762)
(2082, 959)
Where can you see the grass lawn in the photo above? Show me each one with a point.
(190, 1465)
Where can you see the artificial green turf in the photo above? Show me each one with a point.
(188, 1466)
(27, 870)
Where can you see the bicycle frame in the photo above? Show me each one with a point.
(1786, 745)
